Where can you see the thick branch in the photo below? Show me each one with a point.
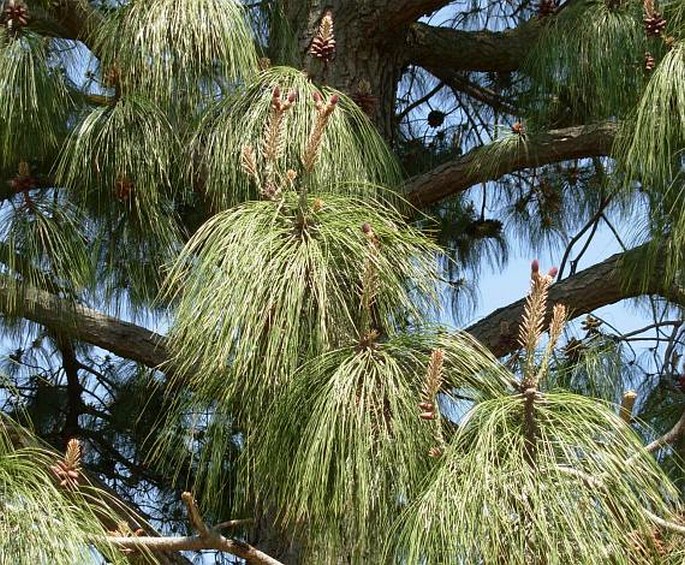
(78, 17)
(84, 324)
(598, 483)
(400, 13)
(436, 48)
(597, 286)
(555, 145)
(68, 19)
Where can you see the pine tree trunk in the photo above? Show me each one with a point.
(367, 56)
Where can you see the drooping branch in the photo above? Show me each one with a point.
(550, 147)
(118, 510)
(598, 483)
(456, 50)
(206, 538)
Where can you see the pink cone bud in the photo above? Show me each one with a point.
(292, 96)
(316, 96)
(426, 406)
(553, 272)
(366, 227)
(535, 266)
(276, 92)
(427, 415)
(334, 99)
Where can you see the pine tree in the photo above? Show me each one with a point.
(294, 195)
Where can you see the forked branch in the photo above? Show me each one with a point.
(206, 538)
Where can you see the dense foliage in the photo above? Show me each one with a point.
(301, 200)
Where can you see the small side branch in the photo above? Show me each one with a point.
(596, 483)
(673, 435)
(194, 515)
(194, 543)
(206, 538)
(530, 425)
(665, 524)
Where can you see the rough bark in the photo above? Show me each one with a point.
(368, 55)
(434, 47)
(68, 19)
(597, 286)
(473, 167)
(85, 324)
(600, 285)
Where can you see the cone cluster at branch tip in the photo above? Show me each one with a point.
(519, 129)
(323, 114)
(364, 98)
(531, 326)
(436, 118)
(428, 404)
(23, 180)
(650, 62)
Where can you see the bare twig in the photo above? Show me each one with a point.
(420, 101)
(206, 538)
(591, 223)
(599, 484)
(665, 524)
(669, 437)
(230, 524)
